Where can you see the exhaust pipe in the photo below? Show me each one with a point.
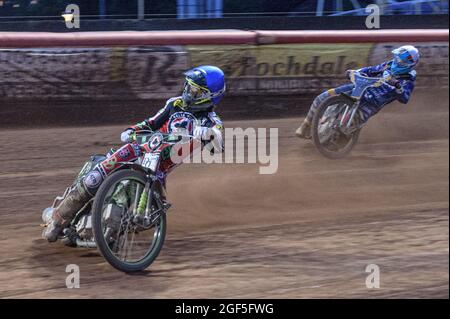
(86, 243)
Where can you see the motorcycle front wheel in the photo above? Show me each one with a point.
(129, 239)
(328, 140)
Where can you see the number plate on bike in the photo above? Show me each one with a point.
(150, 161)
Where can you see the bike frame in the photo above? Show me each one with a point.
(362, 83)
(154, 177)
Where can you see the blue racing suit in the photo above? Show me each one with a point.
(375, 98)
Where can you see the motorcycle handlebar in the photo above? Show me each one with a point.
(381, 80)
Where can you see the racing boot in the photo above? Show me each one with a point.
(304, 131)
(63, 214)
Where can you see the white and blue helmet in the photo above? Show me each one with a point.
(405, 59)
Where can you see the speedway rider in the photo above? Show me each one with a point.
(400, 75)
(204, 87)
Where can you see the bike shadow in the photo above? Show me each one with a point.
(49, 258)
(51, 255)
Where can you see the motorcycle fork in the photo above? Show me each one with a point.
(344, 116)
(145, 198)
(348, 117)
(148, 196)
(151, 196)
(352, 116)
(156, 197)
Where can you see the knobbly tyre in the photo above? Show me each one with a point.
(337, 123)
(126, 219)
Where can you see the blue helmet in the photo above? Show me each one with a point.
(204, 87)
(405, 59)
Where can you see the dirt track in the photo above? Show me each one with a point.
(307, 231)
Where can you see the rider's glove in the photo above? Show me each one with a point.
(202, 133)
(391, 80)
(398, 87)
(127, 136)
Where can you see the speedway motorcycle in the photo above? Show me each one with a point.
(126, 219)
(336, 125)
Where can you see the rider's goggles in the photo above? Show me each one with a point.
(196, 92)
(403, 58)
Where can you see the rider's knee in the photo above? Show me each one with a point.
(92, 181)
